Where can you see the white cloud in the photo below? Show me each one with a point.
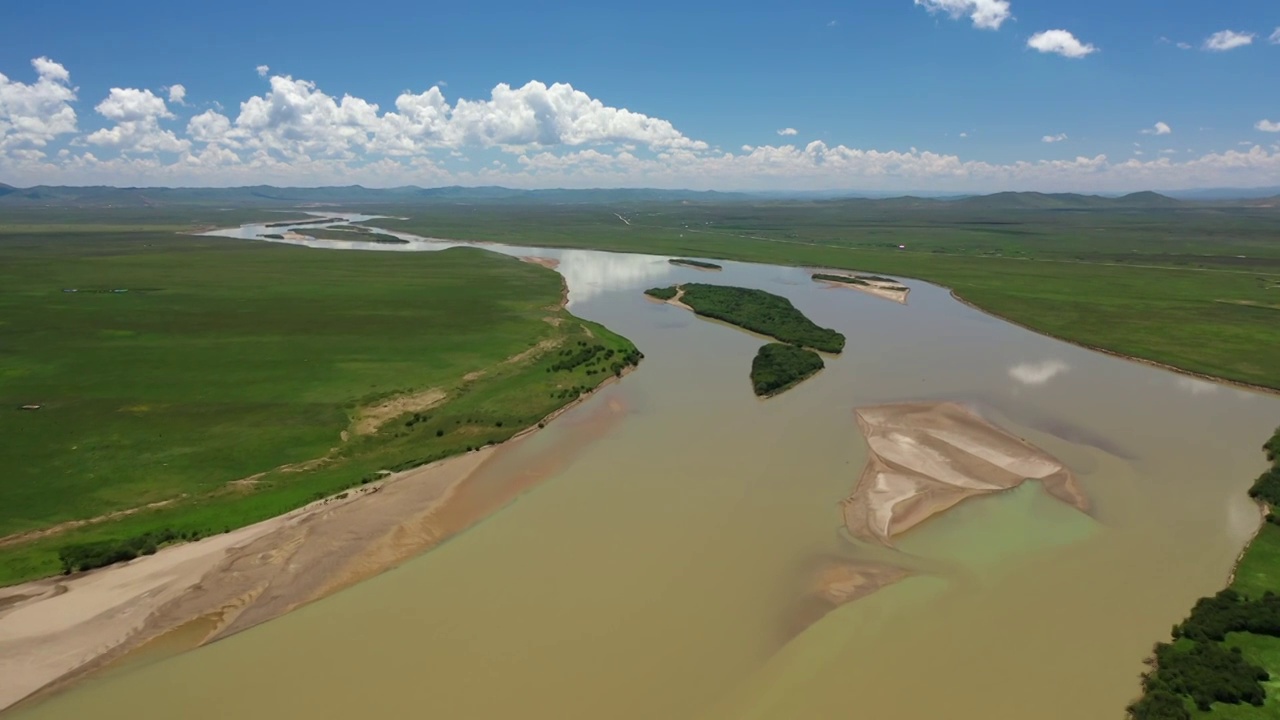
(1060, 42)
(33, 114)
(1160, 128)
(1038, 373)
(985, 14)
(536, 135)
(263, 70)
(788, 131)
(178, 94)
(964, 134)
(1060, 137)
(1268, 126)
(1184, 46)
(137, 114)
(1275, 37)
(1225, 40)
(834, 23)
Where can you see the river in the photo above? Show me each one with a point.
(656, 571)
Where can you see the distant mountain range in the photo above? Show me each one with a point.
(266, 195)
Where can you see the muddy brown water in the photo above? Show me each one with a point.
(654, 570)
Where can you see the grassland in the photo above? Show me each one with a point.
(1183, 286)
(229, 360)
(757, 311)
(778, 367)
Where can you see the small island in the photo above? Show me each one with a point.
(883, 287)
(352, 234)
(778, 367)
(695, 264)
(754, 310)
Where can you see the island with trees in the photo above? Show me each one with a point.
(778, 366)
(755, 310)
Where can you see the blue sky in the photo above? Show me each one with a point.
(883, 95)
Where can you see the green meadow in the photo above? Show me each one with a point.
(1191, 286)
(167, 366)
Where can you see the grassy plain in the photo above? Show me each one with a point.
(225, 358)
(1187, 286)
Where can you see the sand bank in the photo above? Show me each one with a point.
(551, 263)
(54, 628)
(927, 457)
(886, 289)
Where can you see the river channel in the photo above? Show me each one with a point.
(657, 570)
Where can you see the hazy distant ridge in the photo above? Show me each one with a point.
(267, 195)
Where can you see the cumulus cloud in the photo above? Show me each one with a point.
(1038, 373)
(263, 70)
(1225, 40)
(1268, 126)
(33, 114)
(178, 94)
(985, 14)
(297, 119)
(536, 135)
(137, 115)
(1060, 42)
(1160, 128)
(1060, 137)
(788, 131)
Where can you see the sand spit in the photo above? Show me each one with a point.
(551, 263)
(927, 457)
(887, 289)
(836, 581)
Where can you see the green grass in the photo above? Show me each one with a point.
(1261, 651)
(1148, 283)
(1259, 568)
(228, 358)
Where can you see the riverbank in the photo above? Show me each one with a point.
(55, 631)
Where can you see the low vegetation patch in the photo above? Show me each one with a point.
(665, 293)
(702, 265)
(760, 312)
(1217, 659)
(846, 279)
(779, 367)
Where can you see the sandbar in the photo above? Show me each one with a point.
(886, 289)
(927, 457)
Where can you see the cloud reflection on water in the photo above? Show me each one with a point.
(591, 273)
(1038, 373)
